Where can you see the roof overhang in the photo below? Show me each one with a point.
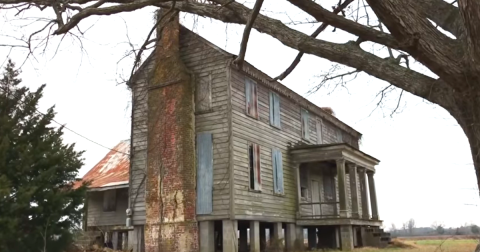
(328, 152)
(110, 186)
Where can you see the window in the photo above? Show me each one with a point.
(329, 187)
(275, 110)
(339, 136)
(319, 131)
(251, 98)
(203, 94)
(109, 200)
(277, 171)
(303, 192)
(304, 121)
(254, 165)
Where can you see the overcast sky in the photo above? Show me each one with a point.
(425, 173)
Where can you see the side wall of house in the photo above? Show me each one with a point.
(206, 65)
(266, 205)
(97, 217)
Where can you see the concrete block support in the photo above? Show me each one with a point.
(136, 239)
(255, 236)
(290, 237)
(207, 236)
(277, 235)
(124, 241)
(346, 238)
(230, 235)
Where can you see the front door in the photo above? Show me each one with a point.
(316, 199)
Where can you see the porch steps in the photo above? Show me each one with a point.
(377, 237)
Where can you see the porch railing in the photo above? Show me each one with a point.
(317, 210)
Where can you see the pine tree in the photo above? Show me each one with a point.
(38, 205)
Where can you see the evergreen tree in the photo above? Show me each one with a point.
(38, 205)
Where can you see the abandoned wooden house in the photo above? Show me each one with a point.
(220, 154)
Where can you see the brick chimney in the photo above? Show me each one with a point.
(170, 184)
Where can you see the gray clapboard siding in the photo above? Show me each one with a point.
(247, 129)
(202, 60)
(97, 217)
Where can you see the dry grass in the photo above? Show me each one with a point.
(424, 245)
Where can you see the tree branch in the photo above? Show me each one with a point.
(347, 54)
(320, 29)
(246, 33)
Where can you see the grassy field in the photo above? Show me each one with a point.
(428, 245)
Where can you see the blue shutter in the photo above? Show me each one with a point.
(204, 173)
(276, 110)
(277, 171)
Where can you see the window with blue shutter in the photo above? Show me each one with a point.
(305, 128)
(275, 110)
(251, 100)
(204, 173)
(277, 171)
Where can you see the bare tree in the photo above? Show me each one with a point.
(441, 36)
(411, 226)
(393, 228)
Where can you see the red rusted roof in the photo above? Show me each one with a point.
(112, 170)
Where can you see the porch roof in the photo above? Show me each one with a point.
(325, 152)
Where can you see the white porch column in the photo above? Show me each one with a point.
(373, 195)
(363, 191)
(342, 189)
(352, 172)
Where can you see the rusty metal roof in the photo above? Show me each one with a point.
(112, 170)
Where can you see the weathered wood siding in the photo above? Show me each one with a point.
(206, 64)
(266, 204)
(97, 217)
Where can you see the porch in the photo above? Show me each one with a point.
(335, 185)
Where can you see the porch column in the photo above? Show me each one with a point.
(352, 172)
(373, 195)
(299, 193)
(342, 189)
(363, 190)
(254, 236)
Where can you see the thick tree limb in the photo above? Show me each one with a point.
(366, 33)
(443, 14)
(314, 35)
(246, 33)
(347, 54)
(470, 12)
(421, 39)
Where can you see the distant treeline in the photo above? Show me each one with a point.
(438, 230)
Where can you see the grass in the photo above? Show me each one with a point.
(424, 245)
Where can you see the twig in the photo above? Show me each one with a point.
(246, 33)
(398, 104)
(314, 35)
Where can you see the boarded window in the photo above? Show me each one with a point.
(251, 98)
(304, 121)
(277, 171)
(203, 94)
(319, 131)
(339, 136)
(109, 201)
(204, 173)
(275, 110)
(254, 165)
